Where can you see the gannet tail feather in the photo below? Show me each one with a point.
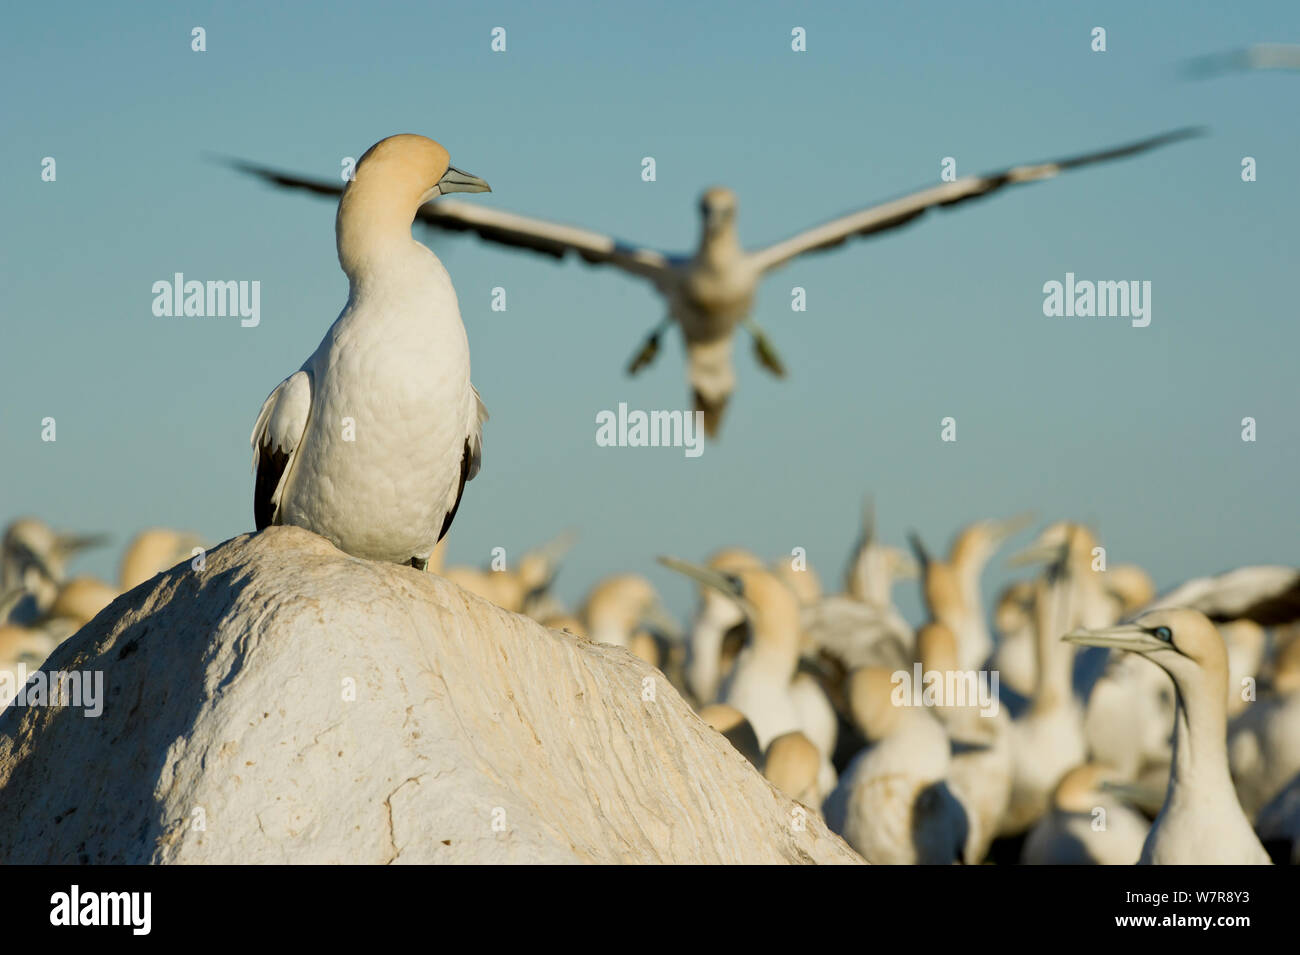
(275, 439)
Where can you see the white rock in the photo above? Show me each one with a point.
(226, 736)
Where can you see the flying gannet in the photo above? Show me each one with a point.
(371, 442)
(1201, 822)
(711, 291)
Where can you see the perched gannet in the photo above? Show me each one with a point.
(1127, 717)
(1264, 740)
(981, 772)
(765, 684)
(151, 552)
(952, 588)
(618, 606)
(370, 444)
(34, 558)
(892, 802)
(793, 765)
(731, 723)
(711, 291)
(807, 586)
(708, 658)
(1278, 823)
(1201, 821)
(1087, 824)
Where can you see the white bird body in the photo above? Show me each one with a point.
(370, 443)
(1264, 749)
(892, 803)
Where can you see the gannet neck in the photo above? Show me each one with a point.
(373, 233)
(720, 247)
(1200, 749)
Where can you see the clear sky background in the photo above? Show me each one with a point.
(1135, 429)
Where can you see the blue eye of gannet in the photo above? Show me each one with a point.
(1163, 633)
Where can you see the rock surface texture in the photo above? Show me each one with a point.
(289, 703)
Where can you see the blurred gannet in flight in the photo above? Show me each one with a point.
(710, 291)
(394, 366)
(1201, 822)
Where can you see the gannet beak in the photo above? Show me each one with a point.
(68, 544)
(1035, 554)
(657, 617)
(1128, 636)
(1002, 530)
(711, 578)
(456, 180)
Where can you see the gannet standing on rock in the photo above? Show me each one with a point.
(1201, 822)
(370, 444)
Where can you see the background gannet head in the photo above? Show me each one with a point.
(735, 728)
(768, 603)
(807, 586)
(618, 605)
(936, 648)
(1060, 543)
(792, 763)
(1014, 606)
(718, 210)
(977, 542)
(871, 701)
(1183, 642)
(1131, 586)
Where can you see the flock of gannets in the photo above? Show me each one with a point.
(708, 292)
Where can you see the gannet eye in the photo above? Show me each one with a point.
(1163, 633)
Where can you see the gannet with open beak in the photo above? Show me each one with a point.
(370, 444)
(1201, 821)
(711, 291)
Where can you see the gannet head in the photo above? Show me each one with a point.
(736, 728)
(871, 703)
(1182, 642)
(718, 210)
(977, 542)
(768, 603)
(1059, 543)
(391, 181)
(412, 169)
(792, 763)
(1014, 607)
(1131, 586)
(807, 586)
(619, 604)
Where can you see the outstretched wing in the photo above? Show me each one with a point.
(899, 212)
(504, 228)
(275, 439)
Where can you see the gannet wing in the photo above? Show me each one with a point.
(899, 212)
(275, 439)
(471, 458)
(504, 228)
(1268, 595)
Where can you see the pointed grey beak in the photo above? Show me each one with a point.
(713, 579)
(1036, 553)
(69, 544)
(1126, 636)
(456, 180)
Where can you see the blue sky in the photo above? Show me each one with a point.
(1137, 430)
